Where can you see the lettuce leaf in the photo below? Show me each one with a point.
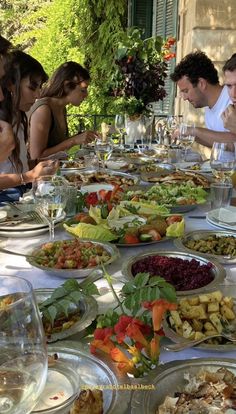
(95, 213)
(146, 208)
(176, 229)
(91, 231)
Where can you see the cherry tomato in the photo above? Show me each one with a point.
(173, 219)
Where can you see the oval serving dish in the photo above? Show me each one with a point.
(218, 272)
(205, 234)
(87, 309)
(75, 273)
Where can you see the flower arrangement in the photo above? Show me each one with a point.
(141, 70)
(131, 335)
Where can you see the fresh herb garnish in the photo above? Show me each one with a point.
(64, 297)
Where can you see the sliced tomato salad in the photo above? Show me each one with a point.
(71, 254)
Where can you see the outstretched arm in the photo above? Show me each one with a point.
(7, 142)
(14, 180)
(206, 136)
(229, 118)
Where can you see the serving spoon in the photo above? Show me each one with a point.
(188, 344)
(16, 253)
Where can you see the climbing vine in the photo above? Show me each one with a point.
(55, 31)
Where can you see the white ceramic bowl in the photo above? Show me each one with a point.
(3, 215)
(95, 188)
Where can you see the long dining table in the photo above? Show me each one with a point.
(18, 266)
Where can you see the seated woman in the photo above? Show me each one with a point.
(21, 86)
(48, 123)
(7, 142)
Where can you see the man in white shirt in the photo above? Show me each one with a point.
(229, 114)
(198, 81)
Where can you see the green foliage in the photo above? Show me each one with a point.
(109, 319)
(145, 288)
(54, 31)
(64, 297)
(139, 75)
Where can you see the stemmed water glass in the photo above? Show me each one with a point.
(186, 137)
(120, 125)
(50, 194)
(223, 160)
(103, 149)
(23, 355)
(172, 124)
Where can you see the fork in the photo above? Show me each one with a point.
(34, 215)
(188, 344)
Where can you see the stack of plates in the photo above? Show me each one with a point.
(21, 229)
(223, 217)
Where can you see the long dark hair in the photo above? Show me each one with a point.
(19, 65)
(72, 72)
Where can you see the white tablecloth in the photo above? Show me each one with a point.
(15, 265)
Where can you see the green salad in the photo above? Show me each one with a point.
(169, 195)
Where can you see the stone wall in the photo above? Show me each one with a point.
(210, 26)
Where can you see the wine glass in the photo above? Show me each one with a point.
(186, 137)
(50, 193)
(120, 126)
(23, 354)
(103, 149)
(223, 160)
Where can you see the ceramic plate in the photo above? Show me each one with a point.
(95, 188)
(87, 309)
(24, 230)
(62, 385)
(223, 217)
(12, 214)
(95, 373)
(170, 378)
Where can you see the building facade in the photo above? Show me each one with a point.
(207, 25)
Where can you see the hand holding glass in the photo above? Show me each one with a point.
(223, 160)
(50, 193)
(23, 355)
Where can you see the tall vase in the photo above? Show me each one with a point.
(135, 130)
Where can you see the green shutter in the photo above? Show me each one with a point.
(141, 15)
(165, 24)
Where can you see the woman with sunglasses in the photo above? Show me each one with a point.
(47, 118)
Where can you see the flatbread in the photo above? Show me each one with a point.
(88, 402)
